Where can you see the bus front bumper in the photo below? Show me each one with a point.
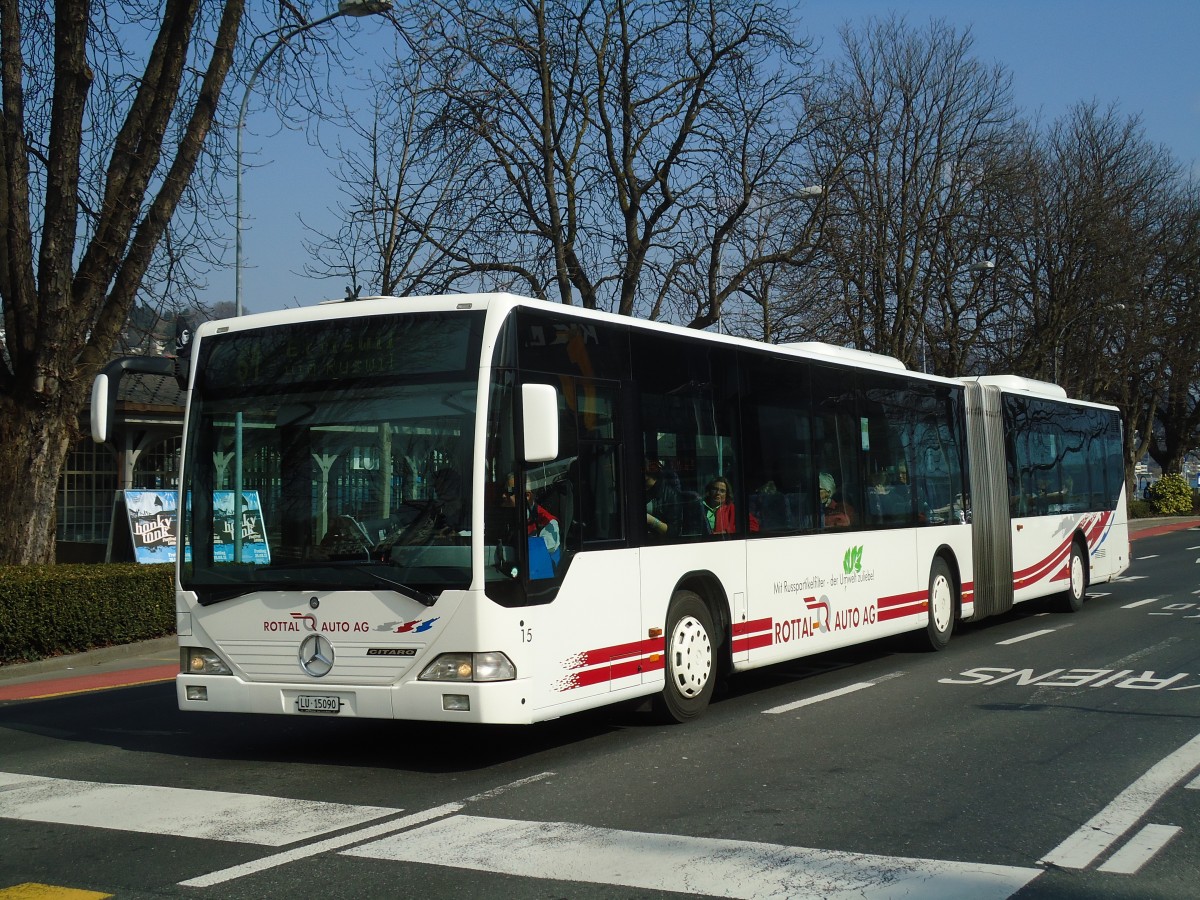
(493, 703)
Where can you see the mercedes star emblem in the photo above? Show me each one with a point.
(316, 655)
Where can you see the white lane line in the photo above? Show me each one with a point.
(309, 850)
(181, 812)
(840, 692)
(1106, 827)
(749, 870)
(1026, 637)
(1138, 603)
(354, 837)
(1151, 556)
(1140, 849)
(1194, 785)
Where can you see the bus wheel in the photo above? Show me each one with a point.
(1071, 600)
(691, 659)
(941, 605)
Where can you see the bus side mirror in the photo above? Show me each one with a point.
(100, 409)
(539, 415)
(104, 388)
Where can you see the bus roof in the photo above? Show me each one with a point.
(1019, 384)
(379, 305)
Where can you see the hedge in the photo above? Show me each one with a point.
(51, 610)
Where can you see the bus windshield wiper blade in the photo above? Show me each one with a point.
(400, 587)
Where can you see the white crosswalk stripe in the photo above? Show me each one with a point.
(739, 869)
(181, 812)
(443, 836)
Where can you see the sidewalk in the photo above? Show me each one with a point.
(126, 665)
(155, 661)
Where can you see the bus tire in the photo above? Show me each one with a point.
(1071, 600)
(942, 605)
(690, 666)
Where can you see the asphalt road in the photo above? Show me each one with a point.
(1041, 755)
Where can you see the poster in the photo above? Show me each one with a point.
(254, 534)
(154, 527)
(153, 524)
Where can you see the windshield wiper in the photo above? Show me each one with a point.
(400, 587)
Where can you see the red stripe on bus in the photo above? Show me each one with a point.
(902, 599)
(753, 642)
(617, 651)
(740, 628)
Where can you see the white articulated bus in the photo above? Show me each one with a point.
(489, 509)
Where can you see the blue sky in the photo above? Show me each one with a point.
(1143, 55)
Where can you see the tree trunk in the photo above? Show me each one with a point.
(36, 437)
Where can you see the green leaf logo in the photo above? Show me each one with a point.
(852, 561)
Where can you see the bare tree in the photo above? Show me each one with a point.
(599, 153)
(96, 157)
(922, 125)
(407, 209)
(1177, 429)
(1088, 272)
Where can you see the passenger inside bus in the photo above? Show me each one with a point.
(834, 512)
(720, 515)
(718, 507)
(662, 500)
(544, 538)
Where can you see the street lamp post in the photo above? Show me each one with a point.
(354, 9)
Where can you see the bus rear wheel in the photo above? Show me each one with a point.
(690, 668)
(1071, 600)
(942, 605)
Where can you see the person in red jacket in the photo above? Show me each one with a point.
(719, 514)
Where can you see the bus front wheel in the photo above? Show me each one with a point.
(941, 605)
(691, 657)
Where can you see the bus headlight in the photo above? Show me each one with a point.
(490, 666)
(199, 661)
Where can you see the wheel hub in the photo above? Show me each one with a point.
(691, 657)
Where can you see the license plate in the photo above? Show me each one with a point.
(318, 703)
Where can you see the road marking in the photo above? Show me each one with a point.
(840, 692)
(149, 809)
(751, 870)
(1026, 637)
(355, 837)
(1106, 827)
(335, 843)
(1140, 558)
(1140, 849)
(31, 890)
(1138, 603)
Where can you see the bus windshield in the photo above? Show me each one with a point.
(327, 456)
